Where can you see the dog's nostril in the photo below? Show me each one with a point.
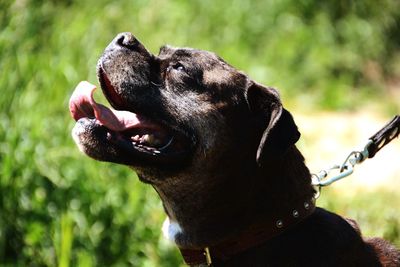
(127, 40)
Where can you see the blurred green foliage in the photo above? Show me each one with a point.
(60, 208)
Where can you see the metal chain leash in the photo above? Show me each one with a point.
(374, 144)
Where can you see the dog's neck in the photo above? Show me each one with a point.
(209, 212)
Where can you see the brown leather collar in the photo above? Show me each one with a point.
(252, 237)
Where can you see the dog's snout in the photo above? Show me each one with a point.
(127, 40)
(127, 44)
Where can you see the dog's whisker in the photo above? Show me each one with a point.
(155, 84)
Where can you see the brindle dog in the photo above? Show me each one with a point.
(220, 151)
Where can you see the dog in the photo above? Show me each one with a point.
(219, 149)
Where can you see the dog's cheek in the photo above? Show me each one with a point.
(195, 112)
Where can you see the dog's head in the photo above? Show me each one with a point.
(180, 110)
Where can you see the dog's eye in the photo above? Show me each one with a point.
(178, 67)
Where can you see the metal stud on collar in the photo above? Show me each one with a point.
(279, 223)
(306, 205)
(295, 214)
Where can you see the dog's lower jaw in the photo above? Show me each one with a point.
(76, 131)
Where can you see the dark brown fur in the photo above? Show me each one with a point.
(242, 166)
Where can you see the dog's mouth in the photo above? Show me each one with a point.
(133, 134)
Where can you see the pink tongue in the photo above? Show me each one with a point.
(82, 104)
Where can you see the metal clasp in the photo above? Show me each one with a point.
(345, 169)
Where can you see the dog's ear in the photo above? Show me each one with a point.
(280, 130)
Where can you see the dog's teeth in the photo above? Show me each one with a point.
(146, 139)
(150, 139)
(135, 138)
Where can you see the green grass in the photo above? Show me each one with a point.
(60, 208)
(376, 212)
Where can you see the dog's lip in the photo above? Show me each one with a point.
(109, 91)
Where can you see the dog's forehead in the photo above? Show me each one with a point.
(186, 53)
(214, 69)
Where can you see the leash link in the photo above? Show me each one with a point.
(345, 169)
(374, 144)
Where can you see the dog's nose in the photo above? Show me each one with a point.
(127, 40)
